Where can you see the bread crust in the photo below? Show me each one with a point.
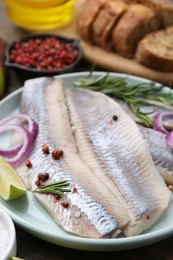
(136, 22)
(85, 17)
(105, 21)
(155, 4)
(156, 59)
(164, 8)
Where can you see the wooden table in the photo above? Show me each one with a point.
(32, 248)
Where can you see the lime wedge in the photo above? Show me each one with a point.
(11, 186)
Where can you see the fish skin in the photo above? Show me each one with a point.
(151, 110)
(92, 210)
(22, 169)
(123, 155)
(161, 153)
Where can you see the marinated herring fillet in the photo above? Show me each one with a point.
(22, 169)
(103, 129)
(93, 210)
(161, 153)
(151, 110)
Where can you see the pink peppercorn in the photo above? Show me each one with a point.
(28, 163)
(56, 154)
(65, 204)
(43, 53)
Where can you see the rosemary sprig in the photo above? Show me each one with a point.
(59, 188)
(134, 95)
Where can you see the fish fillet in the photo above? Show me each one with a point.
(22, 169)
(120, 151)
(151, 110)
(161, 153)
(93, 210)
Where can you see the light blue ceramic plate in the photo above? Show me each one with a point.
(31, 216)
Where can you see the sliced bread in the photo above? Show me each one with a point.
(85, 17)
(163, 7)
(136, 22)
(107, 17)
(155, 50)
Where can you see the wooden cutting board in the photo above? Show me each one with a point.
(112, 62)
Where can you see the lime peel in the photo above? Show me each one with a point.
(11, 186)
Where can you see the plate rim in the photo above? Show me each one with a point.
(82, 242)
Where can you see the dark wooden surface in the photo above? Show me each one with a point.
(32, 248)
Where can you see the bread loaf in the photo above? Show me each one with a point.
(130, 29)
(155, 50)
(78, 6)
(164, 8)
(153, 3)
(85, 17)
(137, 21)
(106, 19)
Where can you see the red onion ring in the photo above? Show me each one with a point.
(10, 151)
(26, 147)
(32, 129)
(32, 125)
(158, 124)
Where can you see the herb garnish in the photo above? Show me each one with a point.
(54, 188)
(134, 95)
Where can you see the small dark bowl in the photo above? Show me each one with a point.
(26, 73)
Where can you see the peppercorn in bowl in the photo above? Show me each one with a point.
(43, 55)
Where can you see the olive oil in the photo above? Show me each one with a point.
(40, 15)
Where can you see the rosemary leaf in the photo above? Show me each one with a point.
(54, 188)
(133, 94)
(142, 116)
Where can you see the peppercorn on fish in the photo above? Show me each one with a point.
(106, 134)
(90, 209)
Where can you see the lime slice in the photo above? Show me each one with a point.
(11, 186)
